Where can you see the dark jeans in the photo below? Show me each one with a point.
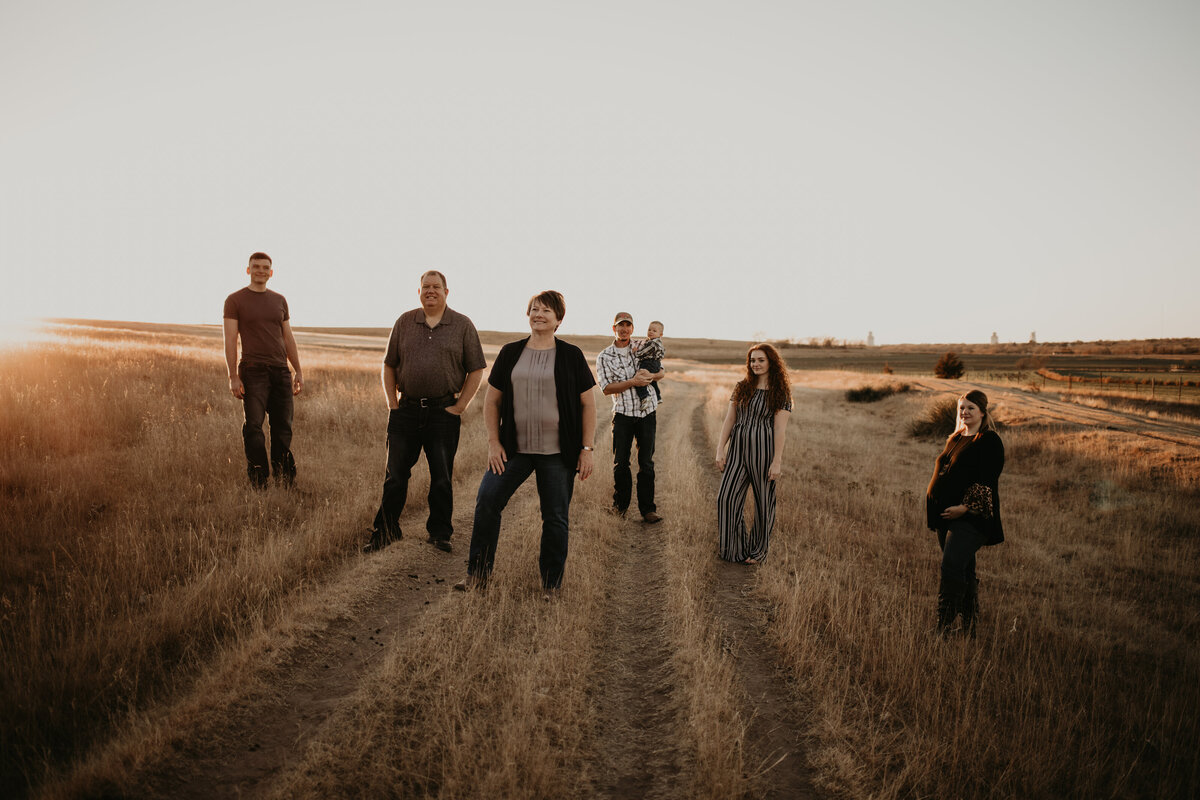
(412, 428)
(555, 484)
(624, 430)
(268, 393)
(959, 544)
(651, 365)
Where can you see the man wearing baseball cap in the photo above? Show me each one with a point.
(618, 375)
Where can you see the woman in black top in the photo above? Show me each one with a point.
(541, 417)
(963, 505)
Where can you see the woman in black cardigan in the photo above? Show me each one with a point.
(963, 505)
(541, 418)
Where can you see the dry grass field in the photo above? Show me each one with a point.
(167, 632)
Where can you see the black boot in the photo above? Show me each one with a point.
(950, 603)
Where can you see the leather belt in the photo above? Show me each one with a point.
(428, 402)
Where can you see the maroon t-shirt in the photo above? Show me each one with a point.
(260, 317)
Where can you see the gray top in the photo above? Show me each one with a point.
(535, 402)
(433, 362)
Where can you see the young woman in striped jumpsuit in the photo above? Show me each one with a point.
(750, 453)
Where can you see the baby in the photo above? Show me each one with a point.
(649, 354)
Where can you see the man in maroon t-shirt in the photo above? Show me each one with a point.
(261, 379)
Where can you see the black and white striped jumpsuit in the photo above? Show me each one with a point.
(751, 448)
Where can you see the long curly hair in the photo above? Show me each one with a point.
(779, 388)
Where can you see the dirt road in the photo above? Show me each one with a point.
(1019, 405)
(275, 705)
(261, 714)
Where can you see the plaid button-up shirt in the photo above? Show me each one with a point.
(614, 365)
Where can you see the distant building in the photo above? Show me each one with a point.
(995, 338)
(1033, 337)
(870, 338)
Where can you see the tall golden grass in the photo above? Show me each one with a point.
(1084, 680)
(131, 545)
(135, 560)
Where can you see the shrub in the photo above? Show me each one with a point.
(887, 368)
(938, 420)
(949, 366)
(870, 394)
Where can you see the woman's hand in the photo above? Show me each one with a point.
(584, 467)
(719, 458)
(496, 458)
(954, 512)
(775, 471)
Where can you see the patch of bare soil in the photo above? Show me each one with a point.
(377, 601)
(775, 737)
(634, 754)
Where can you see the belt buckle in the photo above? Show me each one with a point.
(424, 401)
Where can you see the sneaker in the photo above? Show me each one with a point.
(646, 407)
(651, 518)
(441, 544)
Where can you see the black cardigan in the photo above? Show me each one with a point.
(979, 461)
(572, 377)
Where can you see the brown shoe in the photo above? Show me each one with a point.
(651, 518)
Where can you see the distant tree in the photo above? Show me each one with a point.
(949, 366)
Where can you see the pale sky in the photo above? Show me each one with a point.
(928, 171)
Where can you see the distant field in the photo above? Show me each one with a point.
(1112, 368)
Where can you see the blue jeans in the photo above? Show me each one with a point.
(555, 484)
(268, 394)
(412, 429)
(651, 365)
(624, 430)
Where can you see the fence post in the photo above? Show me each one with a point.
(1152, 388)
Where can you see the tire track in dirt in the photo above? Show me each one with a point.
(1049, 409)
(634, 752)
(775, 735)
(378, 602)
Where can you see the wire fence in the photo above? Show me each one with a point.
(1159, 387)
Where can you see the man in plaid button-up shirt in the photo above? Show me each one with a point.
(618, 376)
